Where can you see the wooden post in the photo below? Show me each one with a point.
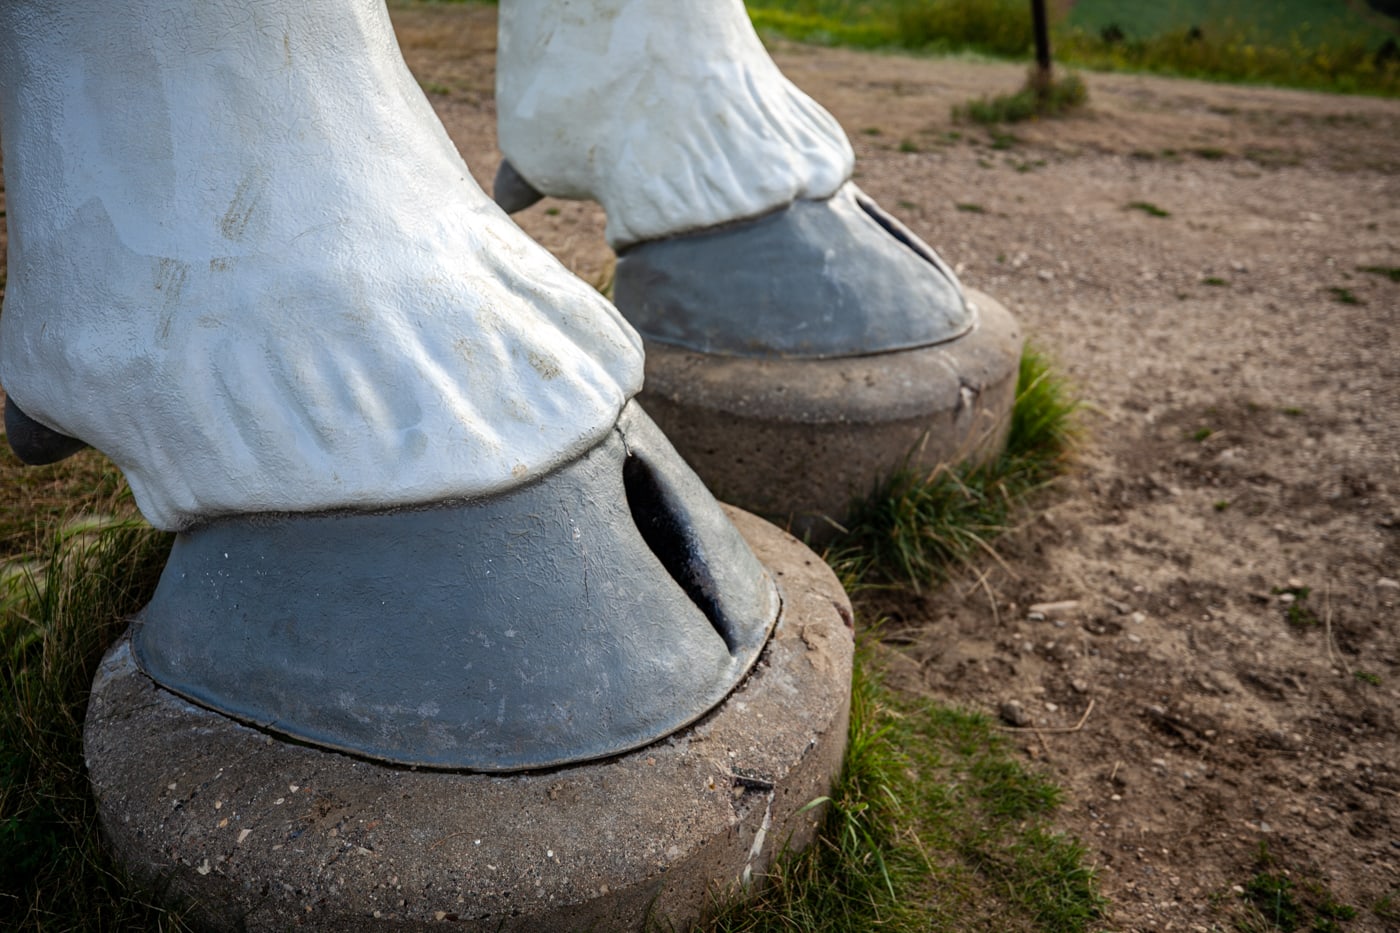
(1041, 27)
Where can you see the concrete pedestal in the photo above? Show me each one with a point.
(257, 833)
(796, 440)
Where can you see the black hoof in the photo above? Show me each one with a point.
(510, 191)
(34, 443)
(816, 279)
(591, 612)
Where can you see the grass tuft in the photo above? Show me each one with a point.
(934, 824)
(916, 525)
(1390, 272)
(1283, 900)
(57, 617)
(38, 499)
(858, 872)
(1148, 208)
(1038, 98)
(1343, 295)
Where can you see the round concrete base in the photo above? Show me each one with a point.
(796, 440)
(250, 832)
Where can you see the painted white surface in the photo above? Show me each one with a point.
(248, 264)
(670, 114)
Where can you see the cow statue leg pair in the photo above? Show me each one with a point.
(419, 518)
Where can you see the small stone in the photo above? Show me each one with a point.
(1135, 639)
(1051, 707)
(1056, 609)
(1035, 616)
(1386, 583)
(1294, 583)
(440, 915)
(1079, 686)
(1013, 713)
(1265, 827)
(243, 834)
(1286, 598)
(1138, 617)
(1045, 275)
(204, 868)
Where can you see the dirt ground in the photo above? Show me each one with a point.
(1244, 449)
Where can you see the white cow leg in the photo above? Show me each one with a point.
(672, 115)
(419, 519)
(247, 263)
(727, 189)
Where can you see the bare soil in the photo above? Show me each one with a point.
(1243, 440)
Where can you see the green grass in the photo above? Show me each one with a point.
(1344, 296)
(57, 617)
(1390, 272)
(1388, 907)
(40, 498)
(1298, 613)
(995, 27)
(1148, 208)
(1035, 100)
(1321, 44)
(1285, 901)
(914, 526)
(934, 825)
(1272, 22)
